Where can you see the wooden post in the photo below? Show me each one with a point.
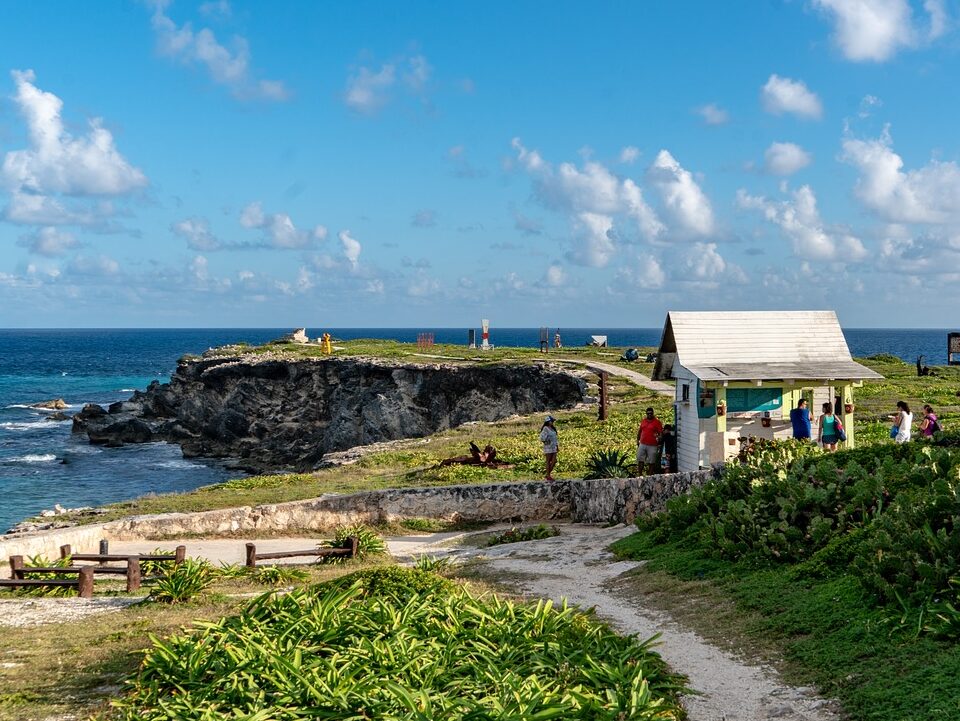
(251, 556)
(16, 567)
(133, 573)
(104, 549)
(846, 396)
(65, 550)
(180, 554)
(603, 396)
(720, 399)
(85, 584)
(354, 546)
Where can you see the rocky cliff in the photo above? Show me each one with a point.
(276, 412)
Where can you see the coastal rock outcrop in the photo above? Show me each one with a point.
(276, 412)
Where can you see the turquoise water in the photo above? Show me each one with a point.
(41, 463)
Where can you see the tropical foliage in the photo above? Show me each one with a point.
(533, 533)
(417, 648)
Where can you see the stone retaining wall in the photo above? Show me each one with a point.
(621, 500)
(601, 501)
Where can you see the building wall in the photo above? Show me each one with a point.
(689, 436)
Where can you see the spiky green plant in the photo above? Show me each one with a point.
(410, 651)
(608, 463)
(370, 543)
(40, 561)
(516, 535)
(183, 582)
(432, 564)
(280, 576)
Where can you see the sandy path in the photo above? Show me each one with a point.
(576, 566)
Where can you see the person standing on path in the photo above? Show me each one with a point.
(669, 449)
(648, 442)
(551, 445)
(828, 429)
(802, 420)
(903, 422)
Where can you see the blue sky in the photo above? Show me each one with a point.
(428, 164)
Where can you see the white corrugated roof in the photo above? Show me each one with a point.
(753, 345)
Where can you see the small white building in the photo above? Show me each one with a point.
(739, 373)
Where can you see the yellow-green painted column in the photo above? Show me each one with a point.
(846, 394)
(791, 396)
(721, 399)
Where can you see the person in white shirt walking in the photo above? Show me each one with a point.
(551, 445)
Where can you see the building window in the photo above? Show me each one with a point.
(685, 393)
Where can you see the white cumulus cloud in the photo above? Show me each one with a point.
(351, 248)
(629, 154)
(225, 66)
(197, 233)
(279, 229)
(783, 95)
(785, 158)
(930, 194)
(369, 90)
(875, 30)
(49, 242)
(713, 114)
(682, 197)
(799, 220)
(58, 162)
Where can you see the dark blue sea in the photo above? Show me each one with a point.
(42, 464)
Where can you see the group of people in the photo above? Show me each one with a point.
(656, 445)
(831, 431)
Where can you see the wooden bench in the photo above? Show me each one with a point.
(347, 551)
(83, 582)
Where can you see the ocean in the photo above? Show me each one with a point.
(41, 463)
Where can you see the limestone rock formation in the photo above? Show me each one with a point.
(57, 404)
(277, 412)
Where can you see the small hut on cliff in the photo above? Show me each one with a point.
(740, 373)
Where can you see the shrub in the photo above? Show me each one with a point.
(156, 568)
(280, 576)
(184, 582)
(370, 543)
(394, 581)
(338, 652)
(608, 463)
(432, 564)
(534, 533)
(40, 561)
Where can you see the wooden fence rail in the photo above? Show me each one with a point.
(83, 582)
(347, 551)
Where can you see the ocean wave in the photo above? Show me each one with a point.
(174, 464)
(32, 458)
(22, 426)
(127, 390)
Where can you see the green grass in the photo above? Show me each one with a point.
(827, 631)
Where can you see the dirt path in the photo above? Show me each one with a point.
(577, 566)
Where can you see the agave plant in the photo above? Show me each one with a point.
(608, 463)
(370, 543)
(184, 582)
(280, 576)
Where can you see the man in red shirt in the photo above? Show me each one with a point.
(648, 442)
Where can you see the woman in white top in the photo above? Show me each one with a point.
(903, 421)
(551, 445)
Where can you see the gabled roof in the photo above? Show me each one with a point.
(757, 345)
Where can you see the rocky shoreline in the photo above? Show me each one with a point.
(276, 412)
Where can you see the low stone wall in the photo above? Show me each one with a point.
(617, 500)
(621, 500)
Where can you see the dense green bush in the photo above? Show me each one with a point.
(184, 582)
(889, 514)
(532, 533)
(369, 542)
(336, 652)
